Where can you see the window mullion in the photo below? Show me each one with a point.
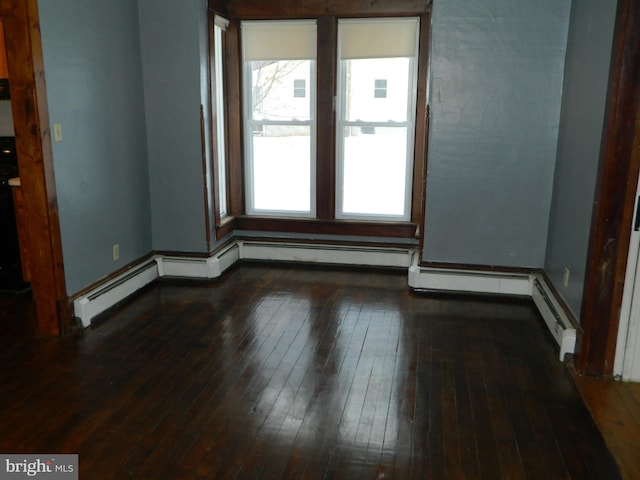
(326, 121)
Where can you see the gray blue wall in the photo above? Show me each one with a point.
(497, 69)
(94, 90)
(126, 80)
(171, 33)
(583, 108)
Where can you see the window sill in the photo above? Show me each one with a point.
(327, 227)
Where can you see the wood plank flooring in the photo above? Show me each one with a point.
(615, 407)
(300, 372)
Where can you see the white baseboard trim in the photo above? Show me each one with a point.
(193, 267)
(117, 289)
(502, 283)
(114, 290)
(326, 254)
(468, 281)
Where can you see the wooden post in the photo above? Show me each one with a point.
(35, 162)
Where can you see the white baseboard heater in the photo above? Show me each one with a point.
(114, 290)
(502, 283)
(554, 316)
(117, 289)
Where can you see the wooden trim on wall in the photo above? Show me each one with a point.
(422, 124)
(219, 6)
(326, 119)
(207, 194)
(327, 227)
(613, 201)
(35, 160)
(254, 9)
(235, 163)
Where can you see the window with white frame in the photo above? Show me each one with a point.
(280, 129)
(220, 25)
(374, 140)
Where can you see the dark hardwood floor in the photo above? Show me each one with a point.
(300, 372)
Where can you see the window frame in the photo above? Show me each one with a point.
(342, 122)
(324, 221)
(219, 112)
(249, 123)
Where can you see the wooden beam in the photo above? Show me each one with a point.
(419, 183)
(35, 161)
(326, 120)
(613, 201)
(247, 9)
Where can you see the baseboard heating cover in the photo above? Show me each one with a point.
(452, 280)
(327, 254)
(192, 267)
(532, 285)
(554, 316)
(114, 290)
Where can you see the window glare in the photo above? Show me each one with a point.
(374, 171)
(282, 169)
(281, 137)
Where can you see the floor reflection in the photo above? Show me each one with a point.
(327, 370)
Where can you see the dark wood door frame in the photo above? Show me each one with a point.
(35, 161)
(614, 200)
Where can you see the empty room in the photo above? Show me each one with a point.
(432, 276)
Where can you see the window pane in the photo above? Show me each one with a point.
(274, 90)
(374, 170)
(391, 100)
(220, 122)
(282, 168)
(279, 94)
(377, 61)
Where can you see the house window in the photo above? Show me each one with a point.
(220, 25)
(280, 130)
(300, 88)
(374, 140)
(380, 88)
(358, 165)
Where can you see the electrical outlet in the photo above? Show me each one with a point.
(116, 251)
(565, 277)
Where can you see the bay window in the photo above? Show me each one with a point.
(328, 121)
